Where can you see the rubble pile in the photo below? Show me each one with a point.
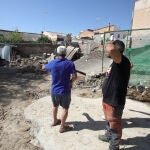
(32, 64)
(139, 93)
(90, 62)
(90, 81)
(94, 83)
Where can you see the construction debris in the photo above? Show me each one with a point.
(90, 65)
(140, 93)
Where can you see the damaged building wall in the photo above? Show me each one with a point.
(35, 49)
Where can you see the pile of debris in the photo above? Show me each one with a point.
(94, 83)
(90, 81)
(32, 64)
(139, 93)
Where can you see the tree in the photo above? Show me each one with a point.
(2, 38)
(14, 37)
(44, 39)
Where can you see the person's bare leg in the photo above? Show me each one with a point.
(64, 117)
(55, 110)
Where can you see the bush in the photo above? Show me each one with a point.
(14, 37)
(2, 39)
(44, 39)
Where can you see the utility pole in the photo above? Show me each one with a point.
(42, 42)
(109, 27)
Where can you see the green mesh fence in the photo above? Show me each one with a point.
(137, 43)
(140, 57)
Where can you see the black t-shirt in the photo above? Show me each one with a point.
(116, 81)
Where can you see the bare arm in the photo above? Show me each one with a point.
(73, 78)
(113, 52)
(43, 68)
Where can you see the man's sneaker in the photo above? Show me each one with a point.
(103, 138)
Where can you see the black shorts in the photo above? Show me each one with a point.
(62, 100)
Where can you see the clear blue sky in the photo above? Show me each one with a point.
(65, 16)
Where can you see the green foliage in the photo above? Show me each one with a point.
(2, 39)
(44, 39)
(14, 37)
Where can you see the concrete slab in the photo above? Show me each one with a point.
(92, 63)
(85, 116)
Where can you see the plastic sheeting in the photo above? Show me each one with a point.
(5, 52)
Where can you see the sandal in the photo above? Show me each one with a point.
(57, 123)
(65, 129)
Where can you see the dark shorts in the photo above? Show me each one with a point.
(62, 100)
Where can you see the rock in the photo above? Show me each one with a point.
(146, 95)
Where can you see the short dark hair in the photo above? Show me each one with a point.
(119, 45)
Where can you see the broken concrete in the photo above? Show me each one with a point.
(92, 64)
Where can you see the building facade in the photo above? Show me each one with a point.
(88, 33)
(55, 36)
(105, 29)
(141, 14)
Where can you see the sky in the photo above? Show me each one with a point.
(64, 16)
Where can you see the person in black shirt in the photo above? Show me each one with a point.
(114, 93)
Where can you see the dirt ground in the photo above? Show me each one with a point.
(14, 97)
(17, 91)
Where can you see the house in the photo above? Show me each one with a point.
(91, 34)
(55, 36)
(105, 29)
(88, 33)
(98, 34)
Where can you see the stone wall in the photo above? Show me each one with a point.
(33, 49)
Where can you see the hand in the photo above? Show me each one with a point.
(43, 68)
(131, 65)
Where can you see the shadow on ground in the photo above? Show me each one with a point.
(138, 143)
(90, 124)
(135, 142)
(13, 87)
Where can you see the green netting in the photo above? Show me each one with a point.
(140, 57)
